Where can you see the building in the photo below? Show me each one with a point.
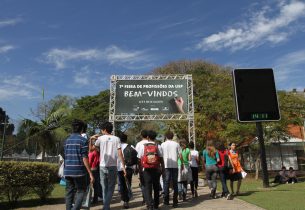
(289, 153)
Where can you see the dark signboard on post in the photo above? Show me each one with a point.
(255, 95)
(150, 97)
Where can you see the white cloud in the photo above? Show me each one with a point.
(259, 29)
(112, 55)
(82, 77)
(6, 48)
(9, 22)
(16, 86)
(289, 66)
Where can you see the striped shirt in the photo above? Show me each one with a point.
(76, 148)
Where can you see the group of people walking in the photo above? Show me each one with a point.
(105, 159)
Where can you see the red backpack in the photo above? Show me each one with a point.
(150, 159)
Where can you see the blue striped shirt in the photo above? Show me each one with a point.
(76, 148)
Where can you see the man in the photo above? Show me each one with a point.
(110, 151)
(171, 151)
(151, 163)
(125, 181)
(76, 166)
(144, 134)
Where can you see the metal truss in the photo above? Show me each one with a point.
(189, 116)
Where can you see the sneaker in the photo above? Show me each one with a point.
(125, 206)
(292, 182)
(229, 196)
(175, 205)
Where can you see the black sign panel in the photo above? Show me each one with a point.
(150, 97)
(255, 95)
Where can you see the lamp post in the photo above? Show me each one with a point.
(3, 137)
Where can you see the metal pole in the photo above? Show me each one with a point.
(260, 134)
(3, 137)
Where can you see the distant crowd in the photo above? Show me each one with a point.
(105, 159)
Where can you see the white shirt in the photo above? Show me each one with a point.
(141, 150)
(194, 157)
(142, 142)
(119, 164)
(109, 146)
(171, 150)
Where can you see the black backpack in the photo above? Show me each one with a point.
(130, 156)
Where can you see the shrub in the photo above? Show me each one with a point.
(20, 178)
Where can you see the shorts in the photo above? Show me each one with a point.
(235, 176)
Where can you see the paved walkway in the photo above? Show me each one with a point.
(202, 202)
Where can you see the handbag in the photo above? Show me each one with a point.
(87, 198)
(243, 174)
(61, 170)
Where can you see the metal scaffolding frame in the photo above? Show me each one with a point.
(189, 116)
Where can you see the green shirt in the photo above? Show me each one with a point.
(210, 160)
(185, 156)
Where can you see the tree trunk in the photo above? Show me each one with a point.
(43, 154)
(257, 164)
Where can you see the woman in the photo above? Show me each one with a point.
(183, 174)
(235, 174)
(194, 162)
(292, 177)
(210, 157)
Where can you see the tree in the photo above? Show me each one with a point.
(94, 110)
(49, 131)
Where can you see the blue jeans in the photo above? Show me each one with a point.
(171, 174)
(108, 177)
(223, 173)
(75, 186)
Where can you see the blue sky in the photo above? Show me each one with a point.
(72, 47)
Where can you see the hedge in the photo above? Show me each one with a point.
(18, 179)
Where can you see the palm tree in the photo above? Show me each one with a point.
(49, 131)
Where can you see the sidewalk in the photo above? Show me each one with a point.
(202, 202)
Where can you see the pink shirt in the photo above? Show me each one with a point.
(94, 159)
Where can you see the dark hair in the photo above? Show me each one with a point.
(220, 146)
(144, 134)
(85, 128)
(290, 168)
(123, 137)
(232, 143)
(169, 135)
(77, 126)
(283, 167)
(152, 135)
(191, 145)
(107, 126)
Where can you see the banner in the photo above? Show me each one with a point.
(151, 97)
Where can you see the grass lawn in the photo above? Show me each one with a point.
(277, 197)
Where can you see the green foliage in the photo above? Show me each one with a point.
(18, 179)
(94, 110)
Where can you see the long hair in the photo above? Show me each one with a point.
(211, 149)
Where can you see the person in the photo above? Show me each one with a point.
(125, 195)
(152, 165)
(144, 134)
(281, 177)
(94, 160)
(223, 170)
(292, 177)
(171, 152)
(194, 163)
(110, 150)
(235, 174)
(76, 166)
(210, 158)
(183, 168)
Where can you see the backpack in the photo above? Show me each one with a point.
(151, 158)
(130, 155)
